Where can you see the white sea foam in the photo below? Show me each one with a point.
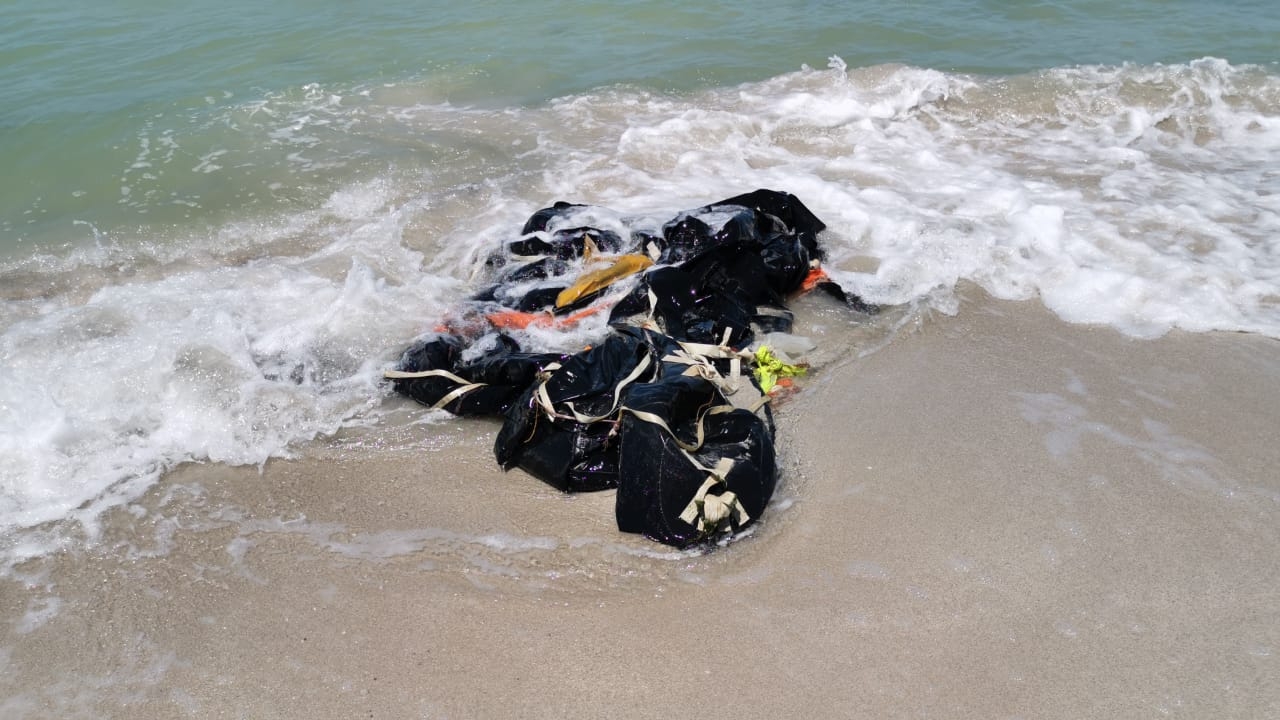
(225, 363)
(1145, 198)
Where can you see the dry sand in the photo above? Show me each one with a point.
(995, 516)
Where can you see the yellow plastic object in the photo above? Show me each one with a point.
(624, 266)
(769, 369)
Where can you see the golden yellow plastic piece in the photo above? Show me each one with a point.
(624, 266)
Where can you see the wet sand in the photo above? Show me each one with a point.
(995, 516)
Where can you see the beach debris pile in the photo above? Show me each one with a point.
(645, 409)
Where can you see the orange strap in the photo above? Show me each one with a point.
(813, 279)
(514, 319)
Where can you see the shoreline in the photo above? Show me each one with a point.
(1007, 516)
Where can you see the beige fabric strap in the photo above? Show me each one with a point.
(759, 403)
(544, 398)
(457, 393)
(699, 355)
(402, 375)
(700, 432)
(465, 385)
(771, 311)
(707, 512)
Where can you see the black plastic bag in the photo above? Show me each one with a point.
(567, 244)
(434, 373)
(562, 429)
(689, 236)
(698, 302)
(691, 466)
(538, 221)
(788, 216)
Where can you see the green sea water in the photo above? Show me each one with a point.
(132, 117)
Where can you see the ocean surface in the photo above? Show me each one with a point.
(219, 224)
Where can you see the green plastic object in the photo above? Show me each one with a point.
(769, 368)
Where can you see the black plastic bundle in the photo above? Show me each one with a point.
(434, 373)
(691, 464)
(562, 430)
(643, 410)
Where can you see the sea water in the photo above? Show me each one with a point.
(219, 224)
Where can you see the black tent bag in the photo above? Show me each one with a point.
(688, 311)
(562, 451)
(440, 352)
(787, 236)
(659, 481)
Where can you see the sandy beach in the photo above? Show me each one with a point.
(997, 515)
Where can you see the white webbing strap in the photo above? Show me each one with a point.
(540, 395)
(653, 307)
(773, 312)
